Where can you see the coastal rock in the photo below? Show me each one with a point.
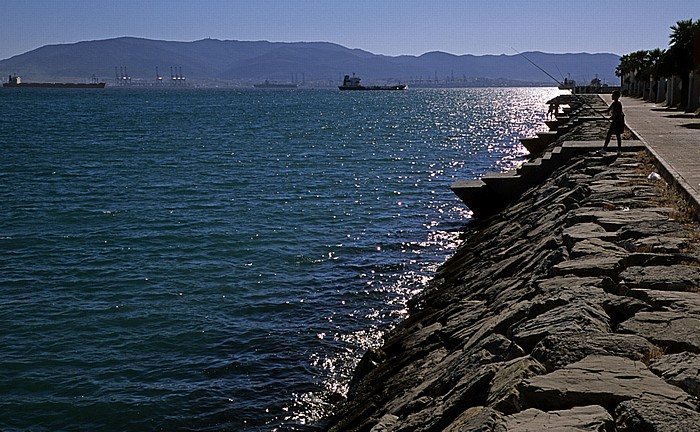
(577, 419)
(649, 229)
(672, 330)
(462, 364)
(600, 265)
(655, 416)
(503, 394)
(669, 278)
(556, 283)
(585, 231)
(604, 380)
(597, 246)
(460, 379)
(386, 423)
(443, 410)
(559, 291)
(688, 302)
(646, 259)
(682, 370)
(478, 419)
(622, 308)
(497, 324)
(658, 244)
(572, 318)
(613, 220)
(615, 187)
(559, 350)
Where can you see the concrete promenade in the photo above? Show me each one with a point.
(673, 137)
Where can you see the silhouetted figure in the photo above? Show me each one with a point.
(617, 126)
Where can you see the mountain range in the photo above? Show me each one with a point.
(321, 63)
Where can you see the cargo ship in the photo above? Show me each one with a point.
(16, 81)
(353, 83)
(268, 85)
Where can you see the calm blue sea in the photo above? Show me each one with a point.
(218, 260)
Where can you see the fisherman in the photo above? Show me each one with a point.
(617, 125)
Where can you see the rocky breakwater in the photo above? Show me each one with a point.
(577, 307)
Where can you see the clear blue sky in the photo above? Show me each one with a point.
(390, 27)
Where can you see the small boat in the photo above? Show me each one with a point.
(268, 85)
(16, 81)
(353, 83)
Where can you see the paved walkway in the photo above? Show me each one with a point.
(673, 137)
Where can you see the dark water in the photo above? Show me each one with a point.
(218, 260)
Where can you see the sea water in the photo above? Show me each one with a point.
(187, 259)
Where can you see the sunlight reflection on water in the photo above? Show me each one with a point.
(484, 126)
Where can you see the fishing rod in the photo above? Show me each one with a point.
(560, 74)
(582, 100)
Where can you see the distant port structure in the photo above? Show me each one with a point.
(177, 77)
(123, 79)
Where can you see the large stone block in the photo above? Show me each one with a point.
(682, 370)
(672, 330)
(559, 350)
(504, 394)
(670, 278)
(570, 318)
(655, 416)
(592, 418)
(604, 380)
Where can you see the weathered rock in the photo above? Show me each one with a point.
(679, 301)
(613, 220)
(572, 318)
(649, 229)
(469, 391)
(673, 330)
(657, 243)
(469, 336)
(503, 394)
(463, 363)
(442, 411)
(647, 259)
(621, 308)
(682, 370)
(558, 350)
(577, 419)
(655, 416)
(386, 423)
(604, 380)
(598, 265)
(585, 231)
(669, 278)
(547, 285)
(478, 419)
(612, 187)
(562, 290)
(597, 246)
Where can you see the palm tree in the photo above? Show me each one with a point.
(680, 52)
(655, 72)
(632, 69)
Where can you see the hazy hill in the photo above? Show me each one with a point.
(211, 59)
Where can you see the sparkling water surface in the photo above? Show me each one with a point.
(218, 260)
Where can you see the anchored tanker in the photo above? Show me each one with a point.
(16, 81)
(353, 83)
